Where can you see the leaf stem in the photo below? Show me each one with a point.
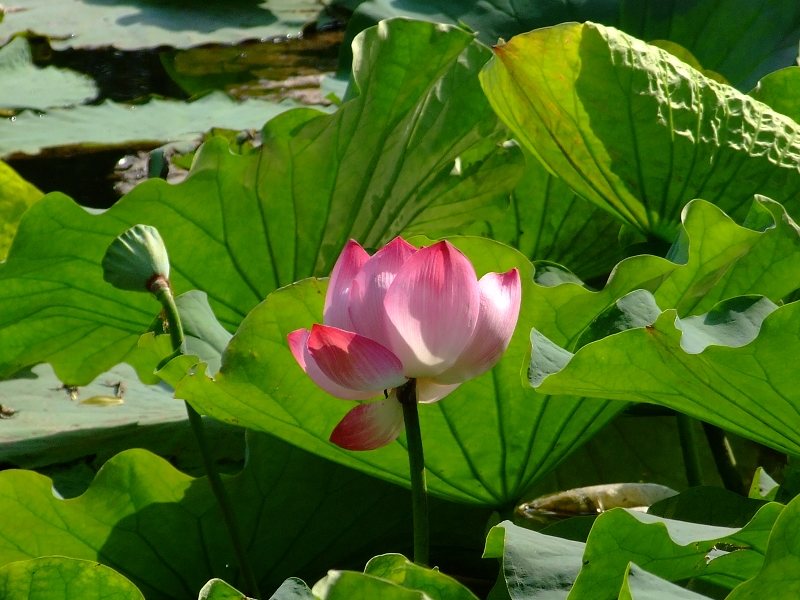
(164, 295)
(407, 395)
(691, 456)
(724, 459)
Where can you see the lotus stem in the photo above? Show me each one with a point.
(407, 395)
(164, 295)
(724, 459)
(691, 456)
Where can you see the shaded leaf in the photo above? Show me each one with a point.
(636, 131)
(548, 221)
(641, 585)
(58, 577)
(708, 505)
(24, 85)
(162, 529)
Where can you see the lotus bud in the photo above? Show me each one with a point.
(137, 260)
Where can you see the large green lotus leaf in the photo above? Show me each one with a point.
(714, 258)
(548, 221)
(299, 514)
(742, 39)
(16, 195)
(216, 589)
(536, 565)
(727, 367)
(113, 125)
(635, 130)
(674, 550)
(780, 91)
(776, 578)
(390, 577)
(138, 24)
(61, 578)
(242, 225)
(23, 85)
(398, 569)
(261, 386)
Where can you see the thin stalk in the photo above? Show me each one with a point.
(407, 395)
(691, 456)
(724, 459)
(164, 295)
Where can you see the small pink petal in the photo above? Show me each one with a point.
(432, 306)
(298, 343)
(353, 361)
(369, 289)
(429, 391)
(351, 259)
(501, 294)
(370, 426)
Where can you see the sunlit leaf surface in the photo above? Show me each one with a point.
(636, 131)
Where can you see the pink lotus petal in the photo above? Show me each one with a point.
(298, 343)
(429, 391)
(351, 259)
(432, 306)
(369, 288)
(353, 361)
(370, 426)
(500, 300)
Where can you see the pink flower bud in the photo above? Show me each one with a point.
(404, 313)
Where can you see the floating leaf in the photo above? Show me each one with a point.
(24, 85)
(110, 124)
(142, 24)
(636, 131)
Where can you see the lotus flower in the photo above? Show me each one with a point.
(403, 313)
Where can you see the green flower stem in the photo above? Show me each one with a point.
(164, 295)
(691, 456)
(407, 395)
